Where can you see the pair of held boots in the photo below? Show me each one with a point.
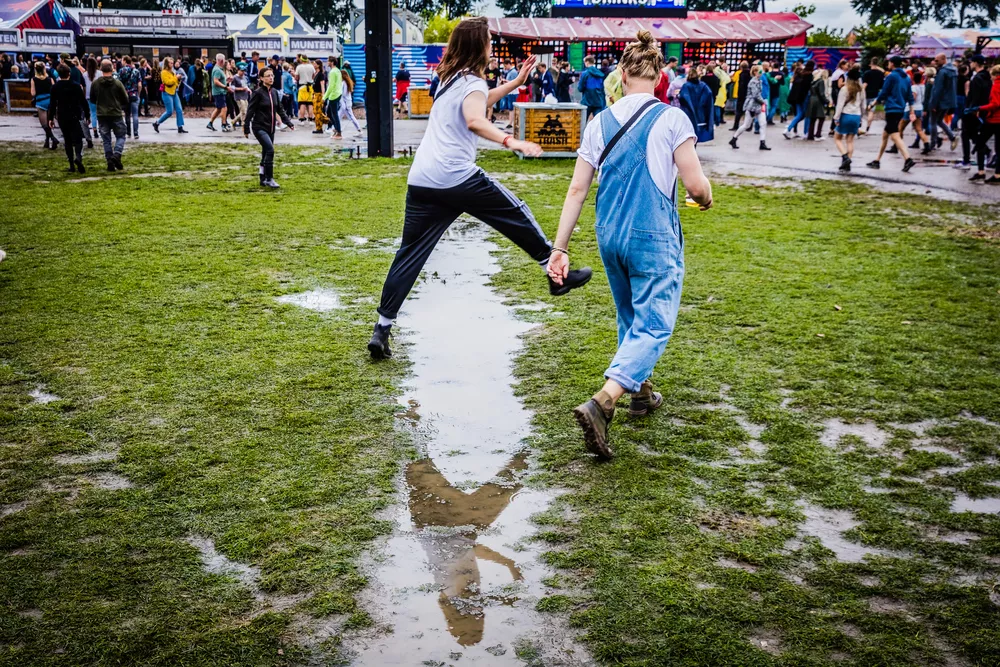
(595, 416)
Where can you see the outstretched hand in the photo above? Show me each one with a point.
(526, 68)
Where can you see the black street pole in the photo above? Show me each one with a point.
(378, 76)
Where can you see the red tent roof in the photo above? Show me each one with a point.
(697, 27)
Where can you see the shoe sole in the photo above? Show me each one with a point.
(378, 354)
(590, 437)
(565, 288)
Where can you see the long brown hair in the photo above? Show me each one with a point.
(468, 49)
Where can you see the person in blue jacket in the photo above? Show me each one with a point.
(698, 103)
(895, 96)
(591, 84)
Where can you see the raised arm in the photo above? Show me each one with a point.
(583, 176)
(474, 111)
(505, 89)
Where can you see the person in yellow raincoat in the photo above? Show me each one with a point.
(720, 99)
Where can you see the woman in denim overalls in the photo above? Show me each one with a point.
(640, 146)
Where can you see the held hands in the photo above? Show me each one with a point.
(526, 67)
(558, 267)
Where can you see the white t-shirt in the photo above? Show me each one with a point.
(306, 72)
(671, 130)
(446, 156)
(918, 97)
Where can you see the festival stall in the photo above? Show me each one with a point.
(280, 29)
(37, 28)
(697, 36)
(154, 35)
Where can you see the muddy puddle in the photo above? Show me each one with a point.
(42, 397)
(458, 580)
(321, 300)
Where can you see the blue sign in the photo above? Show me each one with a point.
(636, 8)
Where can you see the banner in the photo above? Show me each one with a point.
(312, 45)
(826, 57)
(115, 22)
(269, 44)
(10, 39)
(49, 41)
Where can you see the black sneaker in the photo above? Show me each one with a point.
(211, 126)
(72, 167)
(908, 165)
(874, 164)
(764, 147)
(732, 142)
(111, 165)
(156, 127)
(576, 278)
(892, 149)
(992, 180)
(180, 130)
(378, 346)
(79, 166)
(845, 164)
(118, 162)
(926, 151)
(977, 177)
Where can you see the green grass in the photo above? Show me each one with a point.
(148, 306)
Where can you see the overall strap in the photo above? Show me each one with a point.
(624, 128)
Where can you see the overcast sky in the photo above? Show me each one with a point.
(832, 13)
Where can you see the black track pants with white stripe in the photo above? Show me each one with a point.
(430, 211)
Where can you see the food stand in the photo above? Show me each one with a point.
(420, 101)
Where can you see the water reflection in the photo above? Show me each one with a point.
(454, 557)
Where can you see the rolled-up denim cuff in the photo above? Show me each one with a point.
(628, 383)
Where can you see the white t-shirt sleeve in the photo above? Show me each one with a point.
(475, 85)
(592, 144)
(679, 129)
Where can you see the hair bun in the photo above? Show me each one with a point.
(646, 37)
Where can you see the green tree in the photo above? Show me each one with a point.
(803, 11)
(949, 13)
(525, 7)
(885, 35)
(439, 28)
(827, 36)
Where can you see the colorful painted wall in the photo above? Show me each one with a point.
(420, 59)
(825, 56)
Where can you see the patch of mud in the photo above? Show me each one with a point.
(939, 534)
(884, 605)
(757, 183)
(736, 565)
(42, 397)
(217, 563)
(321, 300)
(767, 641)
(835, 429)
(460, 575)
(965, 414)
(185, 174)
(7, 510)
(108, 481)
(963, 503)
(80, 459)
(829, 526)
(521, 178)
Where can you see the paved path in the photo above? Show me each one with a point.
(791, 159)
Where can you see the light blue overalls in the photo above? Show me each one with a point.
(642, 247)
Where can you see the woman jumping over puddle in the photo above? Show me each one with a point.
(444, 181)
(639, 146)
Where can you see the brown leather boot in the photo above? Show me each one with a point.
(644, 401)
(594, 417)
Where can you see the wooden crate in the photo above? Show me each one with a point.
(420, 101)
(557, 128)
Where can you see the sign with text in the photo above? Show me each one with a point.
(262, 44)
(640, 8)
(10, 39)
(313, 45)
(151, 22)
(49, 41)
